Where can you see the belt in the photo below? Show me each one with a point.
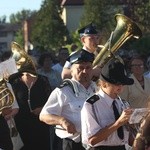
(67, 139)
(121, 147)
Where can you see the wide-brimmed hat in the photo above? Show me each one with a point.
(114, 72)
(88, 30)
(81, 56)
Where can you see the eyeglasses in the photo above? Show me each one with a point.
(137, 65)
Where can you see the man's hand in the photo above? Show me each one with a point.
(68, 126)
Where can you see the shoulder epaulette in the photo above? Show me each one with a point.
(71, 84)
(93, 99)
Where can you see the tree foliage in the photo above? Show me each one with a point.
(20, 16)
(19, 37)
(139, 11)
(102, 14)
(48, 30)
(3, 19)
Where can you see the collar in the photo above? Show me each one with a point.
(79, 87)
(84, 48)
(135, 79)
(106, 98)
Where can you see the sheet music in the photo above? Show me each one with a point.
(8, 67)
(138, 114)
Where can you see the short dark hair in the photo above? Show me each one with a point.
(43, 57)
(61, 49)
(5, 55)
(139, 57)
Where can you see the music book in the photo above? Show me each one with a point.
(8, 68)
(138, 114)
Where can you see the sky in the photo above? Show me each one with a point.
(7, 7)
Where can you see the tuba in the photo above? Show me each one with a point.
(24, 64)
(6, 96)
(23, 61)
(125, 29)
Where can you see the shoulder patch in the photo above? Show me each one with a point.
(68, 82)
(93, 99)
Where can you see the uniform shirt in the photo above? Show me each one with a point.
(135, 94)
(64, 102)
(97, 116)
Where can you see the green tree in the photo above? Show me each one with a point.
(102, 14)
(19, 37)
(3, 19)
(139, 11)
(19, 18)
(48, 30)
(95, 11)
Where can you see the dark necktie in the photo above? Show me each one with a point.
(117, 115)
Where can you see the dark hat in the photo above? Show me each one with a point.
(114, 72)
(81, 56)
(87, 30)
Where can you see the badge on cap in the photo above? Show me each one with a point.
(87, 30)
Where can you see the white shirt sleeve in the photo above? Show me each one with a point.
(88, 122)
(52, 105)
(67, 65)
(15, 104)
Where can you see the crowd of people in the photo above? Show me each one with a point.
(58, 105)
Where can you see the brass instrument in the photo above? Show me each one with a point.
(23, 61)
(6, 96)
(24, 64)
(124, 30)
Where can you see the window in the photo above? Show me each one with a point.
(3, 34)
(3, 46)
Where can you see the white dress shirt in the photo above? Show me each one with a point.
(64, 102)
(99, 115)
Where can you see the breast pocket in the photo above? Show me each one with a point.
(76, 107)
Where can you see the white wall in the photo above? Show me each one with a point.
(72, 16)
